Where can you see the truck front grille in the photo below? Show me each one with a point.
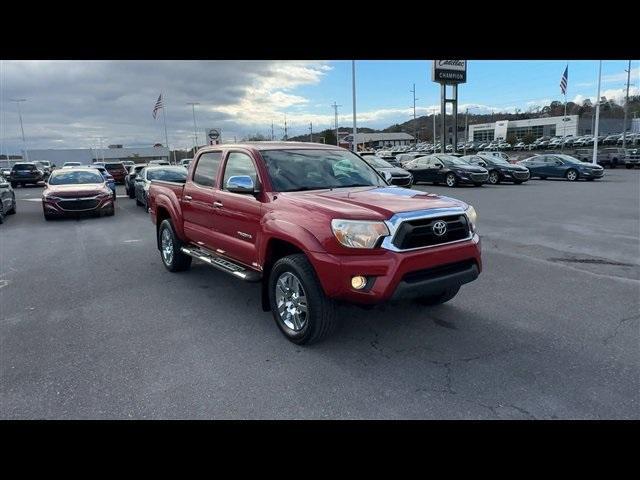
(420, 232)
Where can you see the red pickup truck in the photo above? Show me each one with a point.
(316, 225)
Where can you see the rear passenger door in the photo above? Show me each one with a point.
(198, 212)
(238, 214)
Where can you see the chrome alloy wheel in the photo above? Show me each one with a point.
(291, 300)
(167, 247)
(493, 178)
(451, 180)
(572, 175)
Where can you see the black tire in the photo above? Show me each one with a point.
(477, 184)
(14, 184)
(439, 298)
(138, 202)
(590, 179)
(179, 261)
(1, 217)
(111, 212)
(494, 177)
(320, 319)
(12, 211)
(517, 182)
(614, 163)
(629, 167)
(48, 217)
(451, 180)
(131, 193)
(572, 175)
(542, 177)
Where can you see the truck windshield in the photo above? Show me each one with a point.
(295, 170)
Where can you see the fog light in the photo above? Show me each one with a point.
(358, 282)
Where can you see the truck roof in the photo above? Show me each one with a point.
(279, 145)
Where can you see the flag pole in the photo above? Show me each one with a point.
(164, 120)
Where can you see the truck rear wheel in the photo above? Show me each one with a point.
(300, 308)
(439, 298)
(172, 258)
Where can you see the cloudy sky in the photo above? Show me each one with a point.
(72, 103)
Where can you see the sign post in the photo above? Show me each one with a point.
(213, 136)
(449, 72)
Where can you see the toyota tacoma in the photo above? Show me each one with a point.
(315, 225)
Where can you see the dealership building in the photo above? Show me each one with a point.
(543, 127)
(87, 156)
(376, 140)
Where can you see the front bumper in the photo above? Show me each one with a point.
(592, 173)
(406, 181)
(473, 178)
(398, 274)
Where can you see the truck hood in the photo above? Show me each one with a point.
(371, 203)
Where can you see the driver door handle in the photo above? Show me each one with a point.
(187, 198)
(217, 205)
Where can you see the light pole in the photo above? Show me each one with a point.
(195, 127)
(335, 109)
(353, 87)
(24, 142)
(626, 109)
(597, 124)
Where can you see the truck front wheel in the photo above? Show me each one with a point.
(300, 308)
(439, 298)
(172, 258)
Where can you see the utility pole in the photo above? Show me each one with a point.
(415, 125)
(597, 124)
(466, 129)
(626, 109)
(272, 137)
(335, 109)
(286, 136)
(24, 142)
(310, 132)
(195, 128)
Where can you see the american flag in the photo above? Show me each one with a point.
(564, 80)
(158, 106)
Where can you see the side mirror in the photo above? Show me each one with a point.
(241, 184)
(387, 176)
(439, 165)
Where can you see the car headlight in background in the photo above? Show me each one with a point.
(358, 233)
(472, 215)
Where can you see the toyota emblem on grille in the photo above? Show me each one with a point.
(439, 228)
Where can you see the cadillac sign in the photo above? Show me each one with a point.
(449, 71)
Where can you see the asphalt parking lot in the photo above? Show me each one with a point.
(93, 326)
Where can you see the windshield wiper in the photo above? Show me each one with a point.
(355, 185)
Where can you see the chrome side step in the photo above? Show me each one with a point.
(223, 264)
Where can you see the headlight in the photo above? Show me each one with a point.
(472, 215)
(358, 233)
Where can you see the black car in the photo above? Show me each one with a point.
(25, 173)
(390, 159)
(129, 179)
(442, 168)
(499, 169)
(561, 166)
(166, 173)
(399, 176)
(7, 199)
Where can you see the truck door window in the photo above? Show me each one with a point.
(207, 169)
(239, 164)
